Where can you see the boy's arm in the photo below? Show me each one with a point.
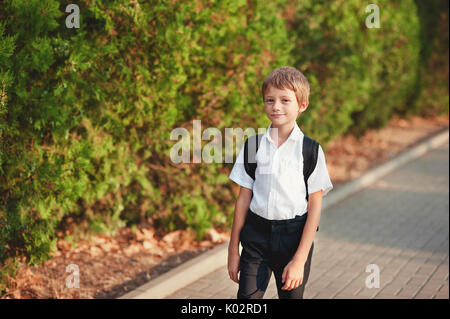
(240, 213)
(309, 231)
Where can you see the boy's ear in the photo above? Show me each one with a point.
(303, 106)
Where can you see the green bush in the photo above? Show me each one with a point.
(432, 93)
(397, 55)
(87, 114)
(358, 75)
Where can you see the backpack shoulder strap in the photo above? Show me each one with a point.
(250, 148)
(310, 154)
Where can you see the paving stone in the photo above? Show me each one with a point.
(426, 293)
(408, 291)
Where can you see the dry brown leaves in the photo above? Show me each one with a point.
(109, 266)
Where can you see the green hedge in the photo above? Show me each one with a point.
(432, 96)
(358, 75)
(86, 114)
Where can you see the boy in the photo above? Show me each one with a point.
(272, 219)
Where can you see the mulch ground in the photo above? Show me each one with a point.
(110, 266)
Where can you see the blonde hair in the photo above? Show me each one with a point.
(288, 77)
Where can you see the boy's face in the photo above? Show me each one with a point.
(282, 107)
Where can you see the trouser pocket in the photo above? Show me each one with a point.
(289, 240)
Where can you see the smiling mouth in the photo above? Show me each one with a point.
(277, 115)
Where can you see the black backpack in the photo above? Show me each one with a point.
(310, 153)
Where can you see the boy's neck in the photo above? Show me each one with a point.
(283, 132)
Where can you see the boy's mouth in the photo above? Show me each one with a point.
(277, 115)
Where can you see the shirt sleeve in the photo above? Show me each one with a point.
(238, 173)
(319, 179)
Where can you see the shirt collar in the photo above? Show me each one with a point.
(296, 134)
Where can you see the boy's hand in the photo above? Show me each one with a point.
(292, 275)
(233, 265)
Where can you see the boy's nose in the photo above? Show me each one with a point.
(276, 106)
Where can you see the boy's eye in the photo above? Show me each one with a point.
(271, 100)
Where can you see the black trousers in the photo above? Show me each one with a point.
(268, 246)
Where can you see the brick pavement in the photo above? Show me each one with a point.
(400, 223)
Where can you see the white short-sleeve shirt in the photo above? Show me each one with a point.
(279, 189)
